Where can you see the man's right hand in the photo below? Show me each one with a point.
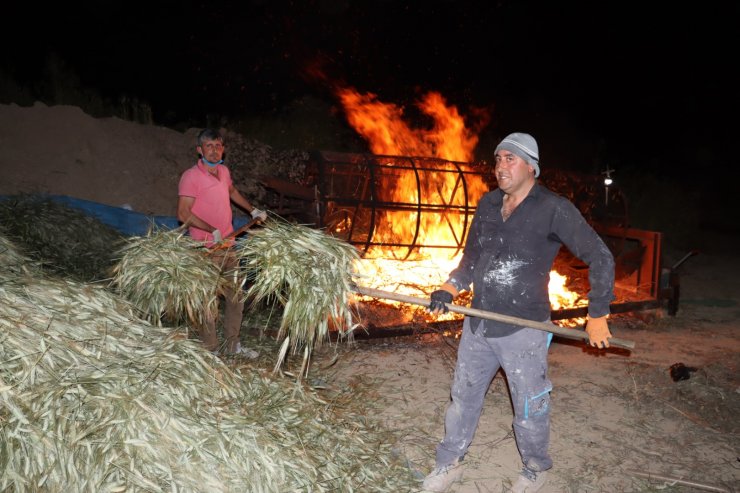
(217, 238)
(445, 294)
(438, 301)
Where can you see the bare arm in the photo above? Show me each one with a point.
(239, 199)
(185, 214)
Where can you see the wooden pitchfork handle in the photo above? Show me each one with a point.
(576, 334)
(223, 245)
(239, 231)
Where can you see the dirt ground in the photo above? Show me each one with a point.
(617, 416)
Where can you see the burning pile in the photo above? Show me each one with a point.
(408, 255)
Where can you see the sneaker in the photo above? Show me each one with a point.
(529, 481)
(244, 352)
(441, 478)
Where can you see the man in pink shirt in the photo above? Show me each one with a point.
(205, 195)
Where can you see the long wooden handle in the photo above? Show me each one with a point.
(239, 231)
(580, 335)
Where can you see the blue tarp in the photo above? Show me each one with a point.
(128, 222)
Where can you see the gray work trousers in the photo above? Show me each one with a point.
(523, 356)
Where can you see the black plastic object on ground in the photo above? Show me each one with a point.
(679, 371)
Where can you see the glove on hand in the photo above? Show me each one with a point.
(259, 214)
(598, 332)
(217, 236)
(438, 300)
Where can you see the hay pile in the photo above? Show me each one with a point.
(309, 273)
(304, 271)
(11, 259)
(94, 399)
(63, 239)
(168, 277)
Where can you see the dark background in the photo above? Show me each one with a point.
(643, 88)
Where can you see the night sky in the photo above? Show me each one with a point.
(610, 82)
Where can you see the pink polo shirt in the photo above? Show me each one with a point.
(212, 202)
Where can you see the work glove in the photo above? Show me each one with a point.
(259, 214)
(598, 332)
(445, 294)
(217, 238)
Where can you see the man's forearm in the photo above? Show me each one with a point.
(199, 223)
(240, 200)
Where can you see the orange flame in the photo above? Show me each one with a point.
(382, 125)
(439, 185)
(562, 297)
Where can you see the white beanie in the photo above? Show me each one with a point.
(524, 146)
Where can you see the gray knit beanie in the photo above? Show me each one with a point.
(524, 146)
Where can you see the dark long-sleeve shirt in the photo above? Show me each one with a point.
(508, 263)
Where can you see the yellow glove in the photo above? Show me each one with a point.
(598, 332)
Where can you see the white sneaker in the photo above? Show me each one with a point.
(441, 478)
(244, 352)
(529, 481)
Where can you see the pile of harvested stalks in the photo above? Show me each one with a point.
(168, 277)
(10, 258)
(64, 240)
(94, 399)
(307, 271)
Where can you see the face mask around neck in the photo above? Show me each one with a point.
(210, 164)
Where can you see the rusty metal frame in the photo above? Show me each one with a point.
(648, 281)
(367, 170)
(656, 287)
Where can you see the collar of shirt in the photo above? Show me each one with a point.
(205, 168)
(497, 196)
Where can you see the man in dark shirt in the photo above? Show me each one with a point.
(515, 235)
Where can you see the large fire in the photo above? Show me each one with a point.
(450, 139)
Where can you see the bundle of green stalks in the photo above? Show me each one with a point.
(64, 240)
(168, 276)
(307, 271)
(93, 399)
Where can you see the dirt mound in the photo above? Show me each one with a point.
(63, 151)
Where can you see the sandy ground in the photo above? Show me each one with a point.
(614, 412)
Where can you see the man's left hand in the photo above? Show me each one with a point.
(259, 214)
(598, 332)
